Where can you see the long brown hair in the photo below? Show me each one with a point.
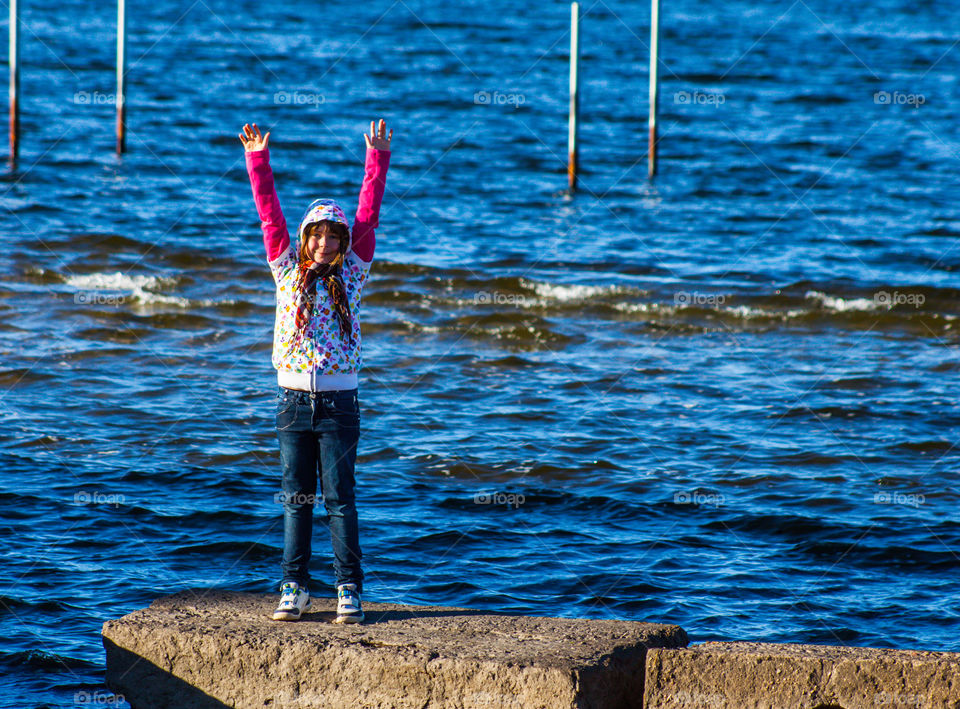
(309, 272)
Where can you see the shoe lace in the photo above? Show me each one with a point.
(290, 592)
(348, 595)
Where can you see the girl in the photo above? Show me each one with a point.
(316, 352)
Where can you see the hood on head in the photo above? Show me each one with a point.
(319, 210)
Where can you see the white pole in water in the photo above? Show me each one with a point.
(14, 62)
(121, 70)
(572, 153)
(654, 86)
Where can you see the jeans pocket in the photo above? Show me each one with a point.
(286, 410)
(344, 408)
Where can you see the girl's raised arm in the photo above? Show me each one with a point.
(371, 191)
(275, 236)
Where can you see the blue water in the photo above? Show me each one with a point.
(723, 399)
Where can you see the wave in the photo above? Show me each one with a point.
(250, 551)
(14, 605)
(117, 281)
(565, 293)
(839, 304)
(41, 660)
(540, 311)
(136, 286)
(119, 288)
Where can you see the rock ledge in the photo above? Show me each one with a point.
(210, 648)
(746, 675)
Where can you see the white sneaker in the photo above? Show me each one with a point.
(348, 604)
(293, 602)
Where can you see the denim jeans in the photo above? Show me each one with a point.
(318, 433)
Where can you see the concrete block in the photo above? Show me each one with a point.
(208, 648)
(745, 675)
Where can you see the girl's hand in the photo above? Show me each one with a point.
(252, 140)
(379, 140)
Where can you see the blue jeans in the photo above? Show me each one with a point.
(318, 432)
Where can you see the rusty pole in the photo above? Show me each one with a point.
(121, 70)
(573, 157)
(654, 87)
(14, 59)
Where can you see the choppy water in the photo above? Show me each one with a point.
(726, 399)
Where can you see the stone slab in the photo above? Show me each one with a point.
(745, 675)
(212, 648)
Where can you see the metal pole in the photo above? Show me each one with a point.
(14, 59)
(654, 86)
(572, 153)
(121, 70)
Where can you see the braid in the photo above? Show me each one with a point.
(338, 296)
(309, 272)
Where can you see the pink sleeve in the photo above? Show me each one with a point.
(275, 236)
(371, 195)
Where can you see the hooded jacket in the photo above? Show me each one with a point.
(320, 360)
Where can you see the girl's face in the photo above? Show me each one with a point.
(322, 247)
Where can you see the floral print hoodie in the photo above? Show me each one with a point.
(320, 359)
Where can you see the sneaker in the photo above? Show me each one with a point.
(294, 600)
(348, 604)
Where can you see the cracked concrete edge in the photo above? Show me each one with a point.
(218, 650)
(749, 675)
